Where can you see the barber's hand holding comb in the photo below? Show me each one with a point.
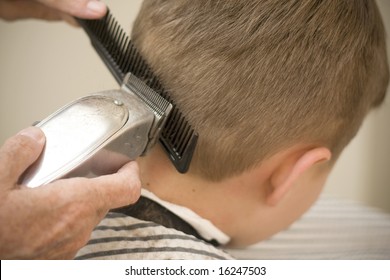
(52, 9)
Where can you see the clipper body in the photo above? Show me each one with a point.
(97, 134)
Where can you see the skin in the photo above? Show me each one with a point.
(249, 207)
(51, 10)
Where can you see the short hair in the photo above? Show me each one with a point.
(254, 77)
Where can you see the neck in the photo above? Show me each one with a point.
(217, 202)
(237, 206)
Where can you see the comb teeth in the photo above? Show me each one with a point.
(121, 57)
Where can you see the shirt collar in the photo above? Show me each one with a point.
(204, 227)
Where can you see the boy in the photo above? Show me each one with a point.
(275, 90)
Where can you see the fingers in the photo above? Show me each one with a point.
(120, 189)
(18, 153)
(79, 8)
(52, 9)
(21, 9)
(108, 191)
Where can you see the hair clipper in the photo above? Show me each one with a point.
(97, 134)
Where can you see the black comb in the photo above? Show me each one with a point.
(121, 57)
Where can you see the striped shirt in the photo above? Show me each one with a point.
(123, 237)
(331, 229)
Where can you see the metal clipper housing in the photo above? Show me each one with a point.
(97, 134)
(117, 51)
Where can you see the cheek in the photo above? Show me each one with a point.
(303, 197)
(270, 220)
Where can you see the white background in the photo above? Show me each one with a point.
(115, 270)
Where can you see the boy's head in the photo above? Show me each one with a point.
(274, 89)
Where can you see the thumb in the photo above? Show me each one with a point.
(18, 153)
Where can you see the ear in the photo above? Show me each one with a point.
(290, 169)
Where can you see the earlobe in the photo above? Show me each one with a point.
(289, 170)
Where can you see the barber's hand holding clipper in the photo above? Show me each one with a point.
(53, 221)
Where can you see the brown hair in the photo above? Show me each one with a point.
(254, 77)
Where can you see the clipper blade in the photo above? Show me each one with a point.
(120, 55)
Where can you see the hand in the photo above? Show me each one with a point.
(55, 220)
(52, 9)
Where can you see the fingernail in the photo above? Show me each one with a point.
(96, 7)
(34, 133)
